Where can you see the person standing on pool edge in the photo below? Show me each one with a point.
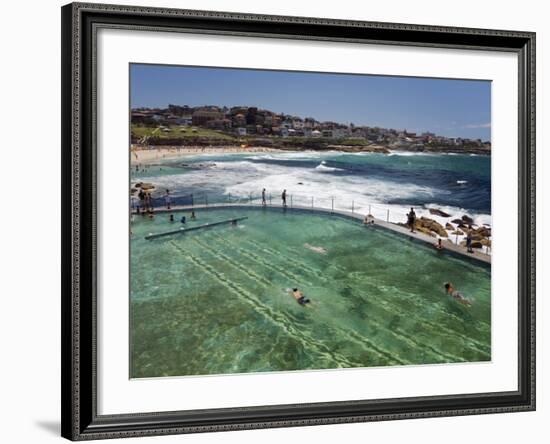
(469, 248)
(411, 219)
(283, 197)
(167, 199)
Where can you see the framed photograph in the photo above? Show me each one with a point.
(281, 221)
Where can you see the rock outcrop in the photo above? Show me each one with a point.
(427, 225)
(438, 212)
(467, 219)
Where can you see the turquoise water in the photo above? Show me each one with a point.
(215, 301)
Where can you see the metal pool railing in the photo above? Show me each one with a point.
(293, 200)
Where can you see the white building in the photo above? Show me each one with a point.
(316, 133)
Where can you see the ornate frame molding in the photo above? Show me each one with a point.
(79, 396)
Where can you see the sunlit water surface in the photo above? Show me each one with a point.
(216, 301)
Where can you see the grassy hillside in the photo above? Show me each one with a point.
(177, 132)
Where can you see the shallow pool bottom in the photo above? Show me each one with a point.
(216, 301)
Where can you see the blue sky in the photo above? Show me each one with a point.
(455, 108)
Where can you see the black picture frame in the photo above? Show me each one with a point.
(80, 420)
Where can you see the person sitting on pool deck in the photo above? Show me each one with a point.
(300, 297)
(456, 295)
(438, 246)
(368, 220)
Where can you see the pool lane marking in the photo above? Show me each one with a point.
(272, 266)
(370, 347)
(277, 318)
(362, 340)
(226, 259)
(280, 254)
(478, 347)
(445, 356)
(287, 274)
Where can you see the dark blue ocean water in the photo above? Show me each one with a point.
(455, 183)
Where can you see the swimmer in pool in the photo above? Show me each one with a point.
(319, 250)
(300, 298)
(456, 295)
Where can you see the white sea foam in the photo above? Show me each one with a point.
(457, 213)
(301, 155)
(322, 167)
(242, 176)
(409, 153)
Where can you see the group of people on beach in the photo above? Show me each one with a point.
(145, 203)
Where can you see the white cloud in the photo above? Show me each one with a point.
(478, 125)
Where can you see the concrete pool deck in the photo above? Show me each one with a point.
(449, 246)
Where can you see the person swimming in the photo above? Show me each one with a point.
(456, 295)
(300, 298)
(320, 250)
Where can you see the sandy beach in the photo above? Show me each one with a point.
(153, 154)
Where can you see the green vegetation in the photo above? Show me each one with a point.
(354, 142)
(178, 132)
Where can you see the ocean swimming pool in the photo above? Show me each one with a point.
(216, 301)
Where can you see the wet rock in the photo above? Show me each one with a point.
(475, 244)
(483, 231)
(448, 226)
(424, 230)
(458, 232)
(438, 212)
(425, 223)
(457, 221)
(467, 219)
(147, 187)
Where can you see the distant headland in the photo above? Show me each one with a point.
(248, 126)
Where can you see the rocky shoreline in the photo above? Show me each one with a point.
(457, 228)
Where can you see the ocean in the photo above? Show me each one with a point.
(217, 301)
(456, 184)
